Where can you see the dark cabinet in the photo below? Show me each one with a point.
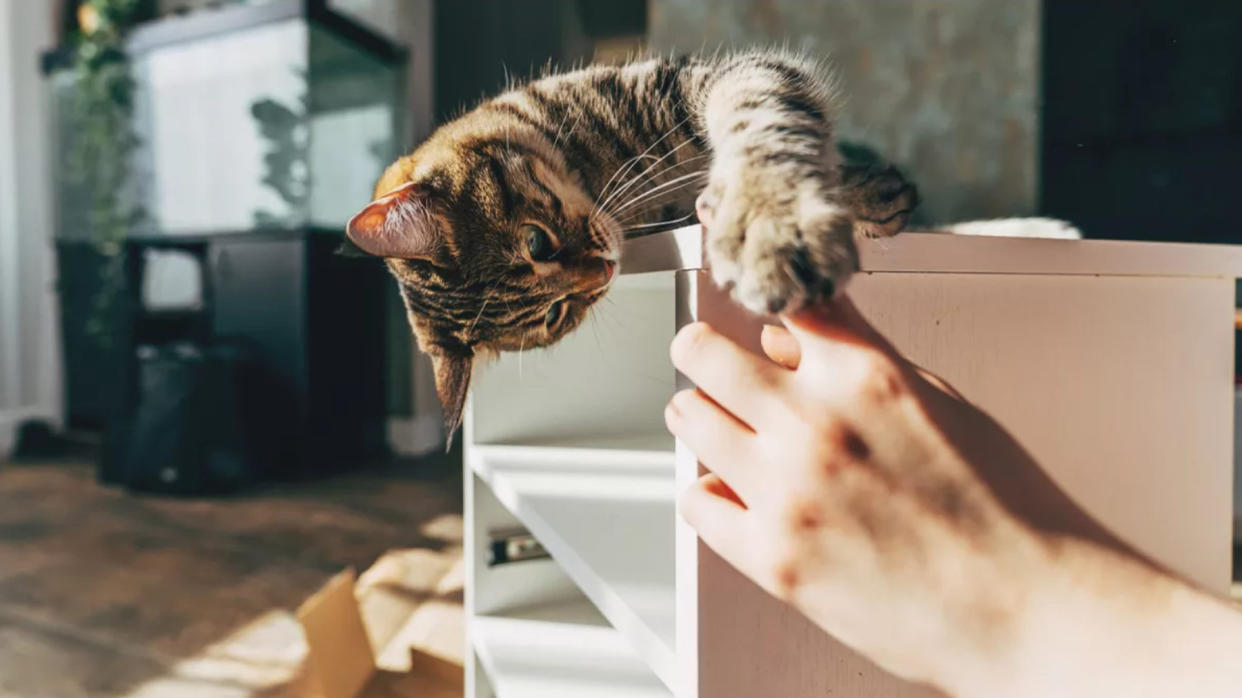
(314, 322)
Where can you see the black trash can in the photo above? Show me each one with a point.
(187, 431)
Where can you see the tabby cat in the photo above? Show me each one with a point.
(506, 224)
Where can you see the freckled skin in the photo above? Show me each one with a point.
(906, 523)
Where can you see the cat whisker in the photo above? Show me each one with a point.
(557, 139)
(616, 207)
(574, 127)
(635, 179)
(599, 209)
(625, 166)
(653, 179)
(593, 318)
(521, 351)
(491, 293)
(657, 224)
(677, 182)
(639, 213)
(639, 219)
(616, 324)
(475, 321)
(647, 150)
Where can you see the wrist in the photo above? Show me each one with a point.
(1102, 621)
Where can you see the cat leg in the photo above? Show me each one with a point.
(879, 197)
(780, 237)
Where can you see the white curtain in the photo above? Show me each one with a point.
(29, 353)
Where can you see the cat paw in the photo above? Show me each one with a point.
(879, 197)
(777, 251)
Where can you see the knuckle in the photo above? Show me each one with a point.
(684, 400)
(773, 382)
(833, 468)
(834, 446)
(880, 379)
(671, 416)
(785, 576)
(837, 438)
(805, 514)
(848, 445)
(688, 506)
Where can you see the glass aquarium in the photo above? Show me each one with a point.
(260, 116)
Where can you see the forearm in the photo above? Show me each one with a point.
(1104, 623)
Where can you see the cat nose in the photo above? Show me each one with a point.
(594, 274)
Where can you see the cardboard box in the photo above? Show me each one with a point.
(410, 644)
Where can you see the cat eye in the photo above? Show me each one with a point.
(555, 311)
(539, 244)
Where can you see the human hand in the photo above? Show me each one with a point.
(871, 497)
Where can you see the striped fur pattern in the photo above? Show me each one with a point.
(505, 226)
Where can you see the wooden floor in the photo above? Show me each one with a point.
(105, 593)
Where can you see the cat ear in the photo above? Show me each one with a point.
(398, 224)
(347, 248)
(452, 371)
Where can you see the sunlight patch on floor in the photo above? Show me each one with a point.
(266, 652)
(409, 599)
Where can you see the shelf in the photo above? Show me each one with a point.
(563, 650)
(587, 443)
(607, 517)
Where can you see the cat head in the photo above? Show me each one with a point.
(494, 247)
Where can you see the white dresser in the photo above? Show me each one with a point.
(1111, 361)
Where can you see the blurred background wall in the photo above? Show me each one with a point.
(29, 355)
(948, 90)
(1141, 118)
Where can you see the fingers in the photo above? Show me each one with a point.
(839, 346)
(718, 518)
(717, 438)
(836, 325)
(713, 484)
(839, 327)
(939, 383)
(780, 346)
(739, 381)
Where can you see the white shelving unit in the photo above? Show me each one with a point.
(1112, 362)
(606, 525)
(560, 650)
